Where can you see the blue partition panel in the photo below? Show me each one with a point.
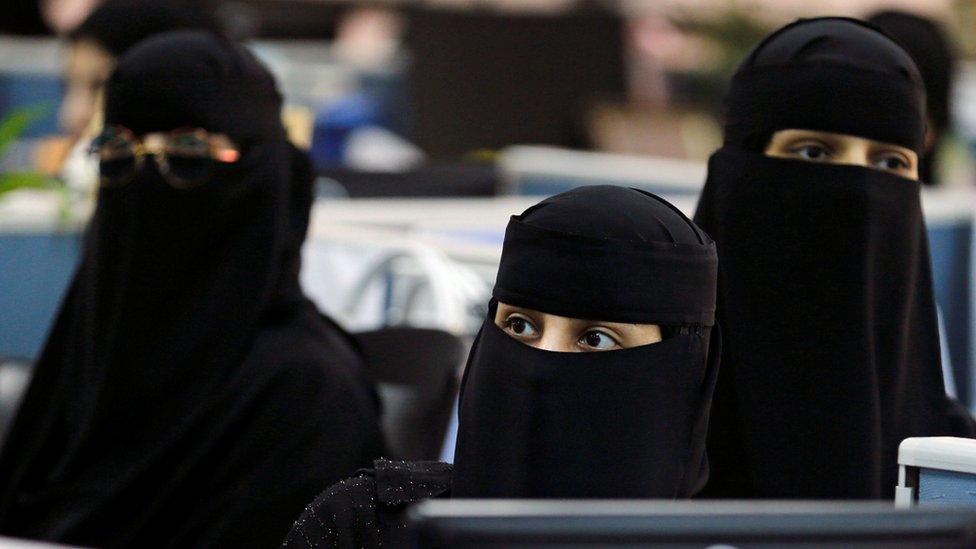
(29, 90)
(937, 487)
(34, 271)
(952, 245)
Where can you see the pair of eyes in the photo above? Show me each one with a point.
(816, 151)
(591, 339)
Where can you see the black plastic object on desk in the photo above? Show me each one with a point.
(439, 180)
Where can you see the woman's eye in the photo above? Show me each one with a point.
(892, 163)
(810, 152)
(597, 340)
(520, 327)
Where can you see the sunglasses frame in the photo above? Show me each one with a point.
(219, 149)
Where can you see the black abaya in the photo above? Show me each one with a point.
(189, 394)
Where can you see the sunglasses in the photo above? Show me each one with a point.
(185, 157)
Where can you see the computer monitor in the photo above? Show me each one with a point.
(486, 524)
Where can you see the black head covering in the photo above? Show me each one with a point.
(117, 25)
(926, 41)
(614, 424)
(188, 394)
(831, 348)
(829, 74)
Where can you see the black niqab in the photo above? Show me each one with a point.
(831, 347)
(188, 394)
(616, 424)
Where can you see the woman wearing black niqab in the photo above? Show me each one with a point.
(831, 347)
(188, 394)
(538, 423)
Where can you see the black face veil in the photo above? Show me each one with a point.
(616, 424)
(831, 349)
(188, 393)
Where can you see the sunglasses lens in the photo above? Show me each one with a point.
(188, 157)
(191, 143)
(188, 171)
(116, 171)
(115, 150)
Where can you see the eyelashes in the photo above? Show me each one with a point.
(893, 162)
(599, 340)
(521, 327)
(811, 150)
(590, 339)
(818, 151)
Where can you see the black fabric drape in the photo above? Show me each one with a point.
(620, 424)
(830, 74)
(616, 424)
(188, 393)
(929, 45)
(831, 347)
(370, 510)
(23, 17)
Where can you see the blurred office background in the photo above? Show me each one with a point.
(431, 121)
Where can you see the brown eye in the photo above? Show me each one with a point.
(815, 153)
(596, 340)
(892, 163)
(520, 327)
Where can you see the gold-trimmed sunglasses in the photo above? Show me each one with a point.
(185, 157)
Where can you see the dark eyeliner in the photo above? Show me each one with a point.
(603, 332)
(807, 142)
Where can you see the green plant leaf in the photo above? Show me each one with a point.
(24, 180)
(16, 122)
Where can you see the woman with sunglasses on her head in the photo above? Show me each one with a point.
(189, 395)
(831, 346)
(591, 376)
